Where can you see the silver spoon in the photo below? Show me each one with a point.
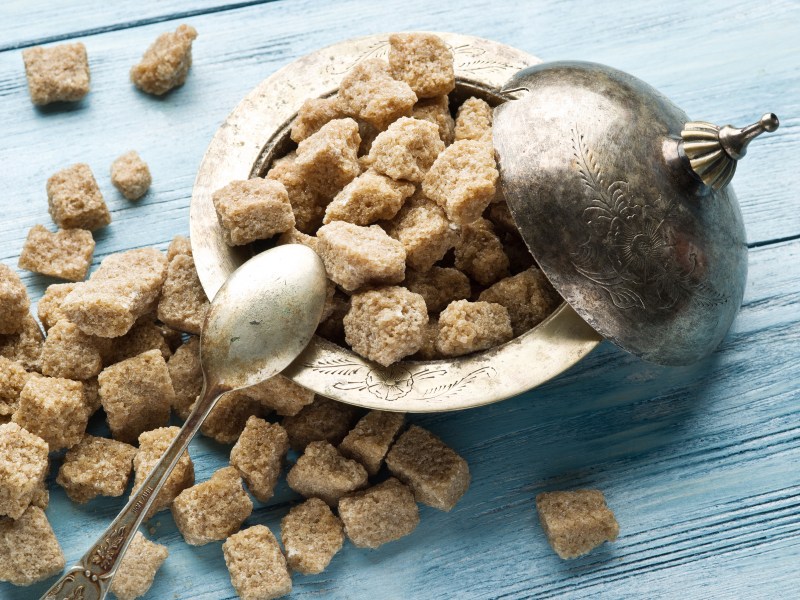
(260, 320)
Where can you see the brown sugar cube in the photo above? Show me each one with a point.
(96, 467)
(29, 550)
(370, 197)
(24, 347)
(258, 456)
(66, 254)
(307, 205)
(576, 522)
(383, 513)
(529, 298)
(152, 446)
(187, 376)
(212, 510)
(406, 150)
(41, 496)
(466, 327)
(166, 62)
(54, 409)
(23, 467)
(437, 111)
(294, 236)
(323, 420)
(474, 121)
(75, 201)
(70, 353)
(143, 336)
(49, 307)
(256, 564)
(462, 180)
(14, 302)
(138, 568)
(253, 209)
(281, 394)
(322, 472)
(136, 395)
(423, 61)
(355, 256)
(91, 395)
(369, 92)
(328, 160)
(312, 535)
(313, 114)
(423, 229)
(479, 253)
(428, 349)
(179, 245)
(124, 287)
(13, 378)
(439, 286)
(131, 175)
(369, 441)
(57, 74)
(385, 324)
(228, 418)
(183, 304)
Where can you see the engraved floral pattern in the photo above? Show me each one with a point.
(108, 549)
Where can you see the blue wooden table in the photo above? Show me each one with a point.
(700, 464)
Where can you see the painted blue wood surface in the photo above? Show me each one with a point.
(701, 464)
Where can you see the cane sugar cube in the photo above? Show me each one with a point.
(183, 304)
(227, 419)
(423, 229)
(49, 307)
(313, 114)
(281, 394)
(383, 513)
(24, 347)
(428, 349)
(307, 205)
(166, 62)
(54, 409)
(152, 446)
(369, 92)
(256, 564)
(322, 472)
(369, 441)
(96, 467)
(23, 467)
(369, 198)
(439, 286)
(13, 378)
(294, 236)
(329, 159)
(311, 535)
(136, 395)
(143, 336)
(576, 522)
(436, 474)
(253, 209)
(479, 253)
(138, 568)
(91, 395)
(14, 302)
(529, 298)
(466, 327)
(423, 61)
(406, 150)
(75, 201)
(131, 175)
(186, 374)
(437, 111)
(212, 510)
(70, 353)
(258, 455)
(355, 256)
(29, 550)
(179, 245)
(462, 180)
(57, 74)
(66, 254)
(474, 121)
(41, 496)
(385, 324)
(323, 420)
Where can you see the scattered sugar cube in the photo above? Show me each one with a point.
(466, 327)
(136, 395)
(24, 347)
(383, 513)
(138, 568)
(322, 420)
(294, 236)
(406, 150)
(462, 180)
(131, 175)
(439, 286)
(313, 114)
(307, 205)
(166, 62)
(322, 472)
(143, 336)
(23, 467)
(370, 93)
(369, 198)
(355, 256)
(152, 446)
(14, 302)
(311, 535)
(474, 121)
(437, 111)
(258, 456)
(96, 467)
(423, 61)
(57, 74)
(576, 522)
(253, 209)
(256, 564)
(529, 298)
(328, 160)
(75, 201)
(183, 304)
(423, 229)
(54, 409)
(369, 441)
(187, 376)
(13, 378)
(66, 254)
(281, 394)
(49, 307)
(179, 245)
(428, 349)
(227, 419)
(479, 253)
(212, 510)
(70, 353)
(29, 550)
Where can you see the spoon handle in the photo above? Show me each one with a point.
(91, 576)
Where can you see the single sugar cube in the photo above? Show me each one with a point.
(322, 472)
(313, 114)
(24, 347)
(406, 150)
(466, 327)
(138, 568)
(49, 307)
(281, 394)
(576, 522)
(462, 180)
(423, 61)
(437, 111)
(328, 160)
(256, 564)
(29, 550)
(324, 419)
(253, 209)
(96, 467)
(54, 409)
(14, 302)
(529, 298)
(474, 121)
(152, 446)
(183, 304)
(70, 353)
(74, 199)
(385, 324)
(369, 198)
(439, 286)
(23, 467)
(369, 441)
(378, 515)
(131, 175)
(311, 535)
(186, 374)
(258, 455)
(228, 418)
(166, 62)
(179, 245)
(307, 205)
(57, 74)
(437, 475)
(66, 254)
(212, 510)
(136, 395)
(355, 256)
(13, 378)
(424, 230)
(369, 92)
(143, 336)
(479, 253)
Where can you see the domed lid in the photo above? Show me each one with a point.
(624, 203)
